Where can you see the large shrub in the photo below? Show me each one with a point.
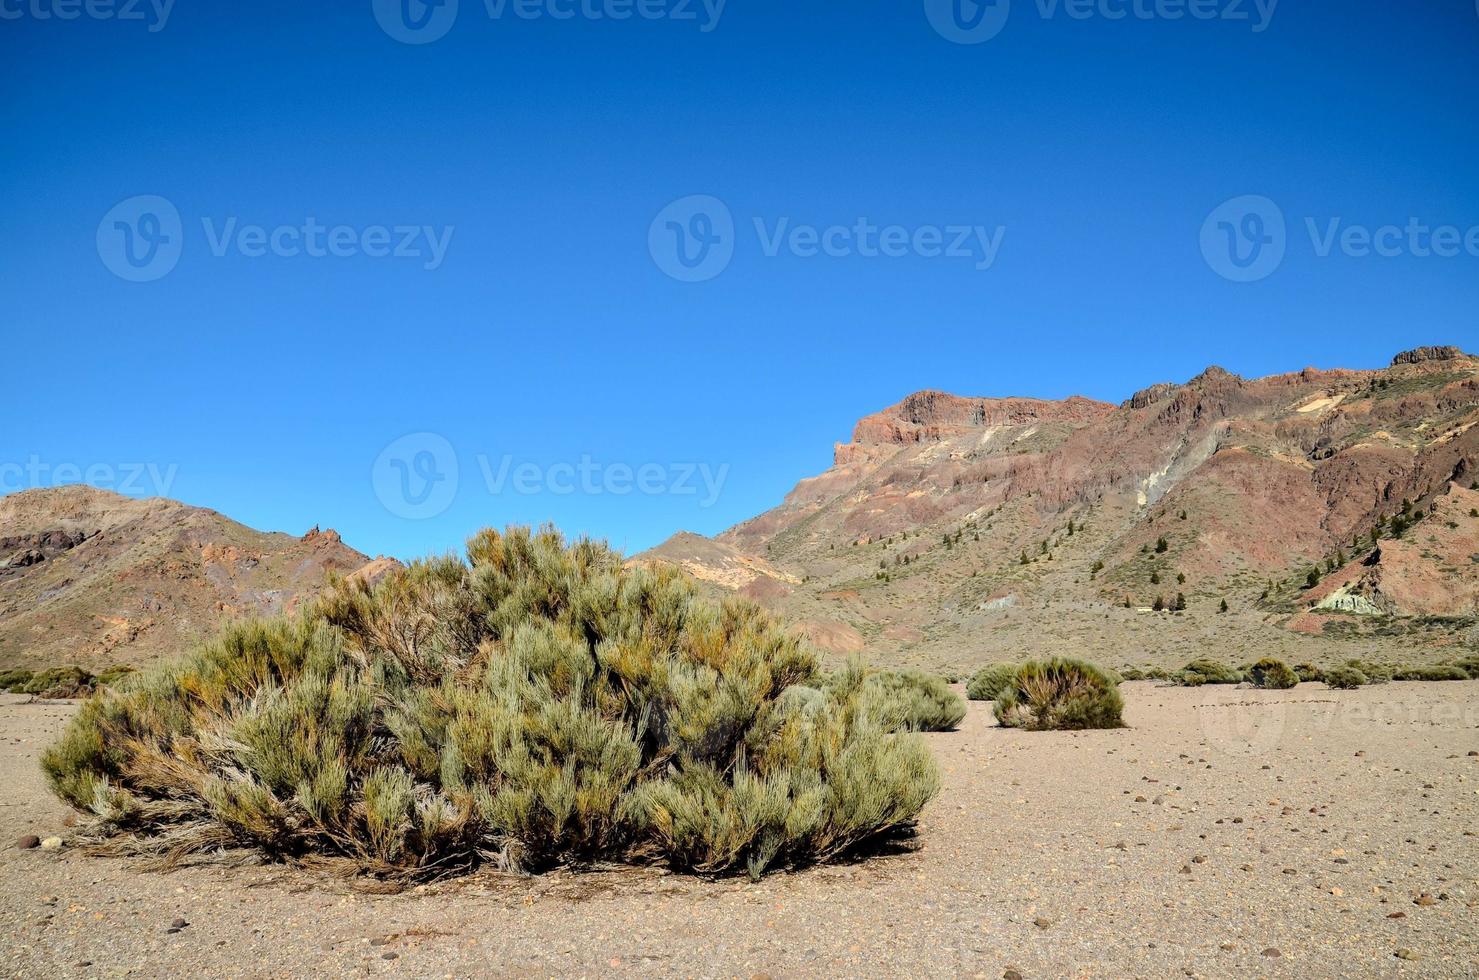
(988, 682)
(905, 699)
(1207, 671)
(533, 706)
(1060, 693)
(1273, 674)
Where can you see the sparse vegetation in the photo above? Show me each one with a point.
(988, 682)
(537, 705)
(1060, 694)
(1272, 674)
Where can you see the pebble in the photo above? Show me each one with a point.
(1425, 899)
(27, 842)
(1042, 922)
(1011, 973)
(178, 923)
(51, 843)
(1406, 954)
(1272, 952)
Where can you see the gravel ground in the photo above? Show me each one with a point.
(1225, 833)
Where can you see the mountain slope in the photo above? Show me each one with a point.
(92, 578)
(954, 530)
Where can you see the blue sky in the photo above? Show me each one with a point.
(525, 171)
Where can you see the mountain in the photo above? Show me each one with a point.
(951, 530)
(92, 578)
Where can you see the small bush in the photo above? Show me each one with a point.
(1376, 673)
(990, 681)
(1344, 678)
(59, 682)
(1272, 674)
(1060, 694)
(1308, 672)
(911, 700)
(536, 705)
(11, 681)
(1439, 673)
(1205, 671)
(1469, 665)
(1131, 674)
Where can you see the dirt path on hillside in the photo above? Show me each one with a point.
(1227, 833)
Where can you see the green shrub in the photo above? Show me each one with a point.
(1157, 674)
(911, 700)
(537, 705)
(11, 681)
(1131, 674)
(1205, 671)
(1060, 693)
(1376, 673)
(1439, 673)
(989, 681)
(1309, 672)
(61, 682)
(1272, 674)
(1469, 665)
(1344, 678)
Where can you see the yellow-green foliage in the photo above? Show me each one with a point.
(1206, 671)
(989, 681)
(535, 705)
(1431, 673)
(1060, 693)
(1308, 672)
(907, 699)
(1273, 674)
(1344, 678)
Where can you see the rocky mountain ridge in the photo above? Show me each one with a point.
(93, 578)
(949, 526)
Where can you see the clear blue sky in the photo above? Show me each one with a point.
(548, 333)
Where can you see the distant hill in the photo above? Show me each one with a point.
(92, 578)
(953, 530)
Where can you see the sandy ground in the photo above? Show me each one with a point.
(1226, 833)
